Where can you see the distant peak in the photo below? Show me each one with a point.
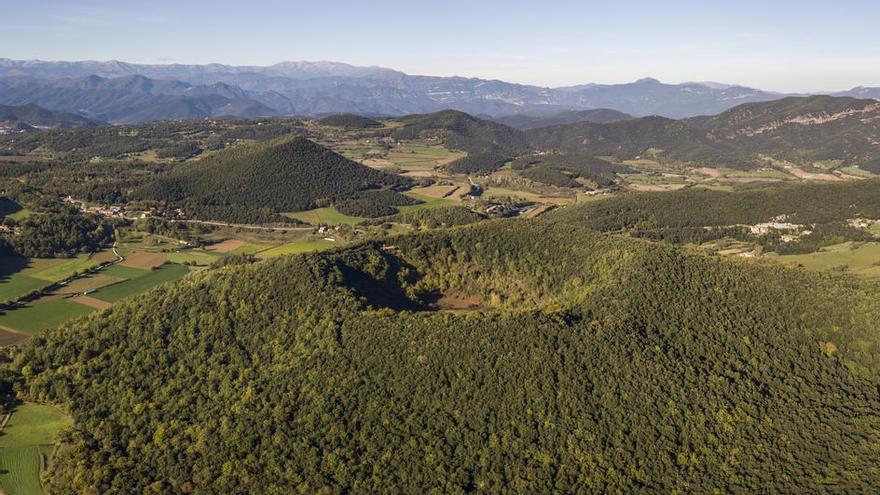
(648, 80)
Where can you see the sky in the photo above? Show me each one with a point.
(778, 45)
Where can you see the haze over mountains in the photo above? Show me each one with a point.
(120, 92)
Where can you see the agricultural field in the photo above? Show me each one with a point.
(41, 315)
(427, 202)
(137, 280)
(21, 276)
(297, 247)
(860, 259)
(324, 216)
(25, 444)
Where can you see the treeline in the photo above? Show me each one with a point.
(598, 365)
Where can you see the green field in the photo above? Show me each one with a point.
(25, 439)
(17, 285)
(67, 267)
(42, 315)
(427, 202)
(137, 280)
(200, 258)
(861, 259)
(297, 248)
(20, 214)
(251, 248)
(326, 216)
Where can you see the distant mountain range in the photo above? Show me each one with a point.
(121, 92)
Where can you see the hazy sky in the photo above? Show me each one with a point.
(782, 45)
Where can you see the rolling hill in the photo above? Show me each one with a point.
(262, 180)
(817, 128)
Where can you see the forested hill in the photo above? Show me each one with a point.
(287, 174)
(461, 131)
(350, 121)
(597, 365)
(628, 139)
(696, 207)
(803, 130)
(817, 128)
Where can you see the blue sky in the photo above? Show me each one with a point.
(779, 45)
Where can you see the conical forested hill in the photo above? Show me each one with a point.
(289, 174)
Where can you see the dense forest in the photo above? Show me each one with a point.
(248, 183)
(63, 232)
(597, 365)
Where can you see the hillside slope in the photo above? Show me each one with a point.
(288, 174)
(598, 365)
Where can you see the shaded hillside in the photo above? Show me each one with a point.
(289, 174)
(460, 131)
(604, 366)
(38, 117)
(595, 116)
(350, 121)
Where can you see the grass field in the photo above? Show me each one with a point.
(427, 202)
(42, 315)
(251, 248)
(17, 285)
(860, 259)
(137, 280)
(65, 268)
(26, 438)
(326, 216)
(198, 258)
(297, 248)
